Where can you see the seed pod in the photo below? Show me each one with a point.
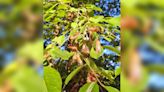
(85, 49)
(48, 57)
(98, 46)
(57, 27)
(91, 77)
(79, 61)
(72, 48)
(70, 16)
(94, 29)
(76, 59)
(134, 67)
(129, 23)
(56, 30)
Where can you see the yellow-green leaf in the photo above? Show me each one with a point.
(72, 74)
(57, 53)
(52, 80)
(111, 89)
(94, 54)
(90, 87)
(59, 40)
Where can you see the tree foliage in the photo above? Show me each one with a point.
(76, 50)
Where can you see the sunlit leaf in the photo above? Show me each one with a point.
(35, 48)
(108, 39)
(93, 7)
(26, 80)
(52, 80)
(117, 71)
(96, 19)
(61, 13)
(76, 18)
(59, 40)
(62, 6)
(94, 54)
(90, 87)
(74, 25)
(72, 74)
(106, 73)
(111, 89)
(91, 63)
(115, 21)
(112, 49)
(65, 1)
(57, 53)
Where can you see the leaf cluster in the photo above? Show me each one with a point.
(75, 33)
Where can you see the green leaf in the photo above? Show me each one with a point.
(61, 13)
(93, 7)
(52, 80)
(115, 21)
(65, 1)
(49, 17)
(91, 63)
(95, 35)
(117, 71)
(112, 49)
(96, 88)
(72, 74)
(59, 40)
(49, 46)
(56, 20)
(35, 48)
(90, 87)
(111, 89)
(99, 17)
(107, 74)
(94, 54)
(73, 31)
(82, 22)
(106, 38)
(74, 25)
(62, 6)
(96, 19)
(98, 9)
(25, 79)
(72, 9)
(57, 53)
(47, 6)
